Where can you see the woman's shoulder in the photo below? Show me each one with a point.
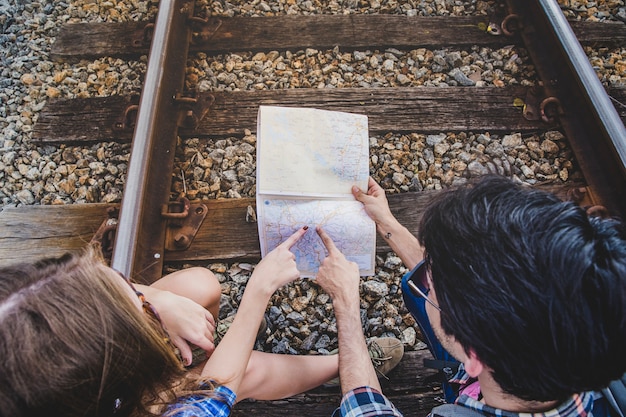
(216, 403)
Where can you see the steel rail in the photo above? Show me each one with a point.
(140, 237)
(589, 119)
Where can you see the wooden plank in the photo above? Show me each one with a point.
(346, 31)
(226, 235)
(389, 109)
(408, 387)
(85, 120)
(423, 109)
(92, 40)
(392, 109)
(131, 39)
(309, 405)
(32, 232)
(596, 34)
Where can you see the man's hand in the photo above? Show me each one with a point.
(375, 202)
(340, 279)
(401, 241)
(338, 276)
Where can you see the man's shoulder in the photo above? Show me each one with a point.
(455, 410)
(579, 405)
(615, 395)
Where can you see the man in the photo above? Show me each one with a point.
(527, 292)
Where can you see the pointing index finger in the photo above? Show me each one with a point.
(291, 240)
(328, 242)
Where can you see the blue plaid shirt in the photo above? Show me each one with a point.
(218, 405)
(591, 404)
(366, 402)
(579, 405)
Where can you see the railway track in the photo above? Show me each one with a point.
(151, 231)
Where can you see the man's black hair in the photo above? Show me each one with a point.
(531, 284)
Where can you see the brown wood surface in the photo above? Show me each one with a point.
(323, 405)
(409, 109)
(29, 233)
(408, 388)
(127, 39)
(422, 109)
(388, 109)
(32, 232)
(84, 120)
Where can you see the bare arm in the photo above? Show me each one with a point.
(355, 366)
(401, 241)
(340, 279)
(227, 365)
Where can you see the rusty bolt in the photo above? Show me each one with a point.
(181, 240)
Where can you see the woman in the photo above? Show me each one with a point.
(76, 339)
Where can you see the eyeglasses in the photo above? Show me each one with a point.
(420, 277)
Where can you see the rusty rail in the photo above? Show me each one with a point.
(575, 96)
(140, 240)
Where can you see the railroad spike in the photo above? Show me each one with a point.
(128, 119)
(539, 106)
(511, 25)
(192, 109)
(204, 29)
(551, 109)
(145, 38)
(183, 226)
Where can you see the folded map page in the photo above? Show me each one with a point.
(307, 162)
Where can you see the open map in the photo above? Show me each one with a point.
(307, 162)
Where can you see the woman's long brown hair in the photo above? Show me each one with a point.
(72, 343)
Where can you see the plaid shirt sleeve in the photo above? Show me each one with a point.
(366, 402)
(218, 405)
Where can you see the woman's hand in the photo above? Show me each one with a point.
(279, 266)
(229, 362)
(185, 321)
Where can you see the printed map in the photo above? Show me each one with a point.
(311, 152)
(346, 222)
(307, 162)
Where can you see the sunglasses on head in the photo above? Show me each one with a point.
(149, 310)
(420, 277)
